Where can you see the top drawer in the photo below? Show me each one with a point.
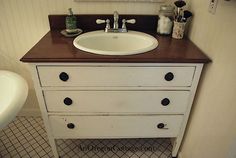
(116, 76)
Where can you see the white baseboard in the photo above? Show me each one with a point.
(29, 112)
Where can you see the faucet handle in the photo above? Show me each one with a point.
(100, 21)
(131, 21)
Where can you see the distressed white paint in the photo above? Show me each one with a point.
(120, 76)
(43, 110)
(115, 122)
(109, 101)
(115, 126)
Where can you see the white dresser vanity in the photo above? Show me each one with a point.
(88, 96)
(104, 100)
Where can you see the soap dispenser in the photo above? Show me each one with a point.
(71, 23)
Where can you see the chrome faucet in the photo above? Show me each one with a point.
(116, 18)
(116, 23)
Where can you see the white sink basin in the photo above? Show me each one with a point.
(99, 42)
(14, 91)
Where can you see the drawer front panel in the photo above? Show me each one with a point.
(115, 76)
(117, 101)
(115, 126)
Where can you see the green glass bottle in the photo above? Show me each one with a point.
(71, 22)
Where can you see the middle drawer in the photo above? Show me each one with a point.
(117, 101)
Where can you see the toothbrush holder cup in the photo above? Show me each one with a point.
(178, 30)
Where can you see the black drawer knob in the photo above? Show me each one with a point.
(165, 101)
(70, 125)
(68, 101)
(64, 76)
(169, 76)
(161, 125)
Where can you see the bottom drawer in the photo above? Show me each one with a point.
(115, 126)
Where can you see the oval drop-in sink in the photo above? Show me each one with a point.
(100, 42)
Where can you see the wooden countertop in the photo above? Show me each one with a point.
(54, 47)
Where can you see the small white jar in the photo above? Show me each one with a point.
(165, 22)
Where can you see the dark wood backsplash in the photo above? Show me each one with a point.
(88, 22)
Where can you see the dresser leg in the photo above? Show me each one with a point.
(44, 112)
(52, 142)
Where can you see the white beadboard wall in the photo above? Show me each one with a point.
(24, 22)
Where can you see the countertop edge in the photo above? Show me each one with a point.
(29, 58)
